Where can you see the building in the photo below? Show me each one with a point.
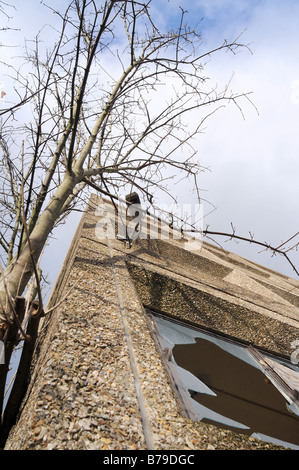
(162, 343)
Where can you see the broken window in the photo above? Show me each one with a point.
(230, 384)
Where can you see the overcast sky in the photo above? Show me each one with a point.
(253, 160)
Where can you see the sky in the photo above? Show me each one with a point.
(253, 160)
(252, 157)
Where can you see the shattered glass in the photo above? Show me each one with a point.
(229, 386)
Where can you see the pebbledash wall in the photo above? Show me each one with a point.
(102, 377)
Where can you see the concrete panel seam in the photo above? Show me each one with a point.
(140, 398)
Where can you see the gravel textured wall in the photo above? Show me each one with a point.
(98, 380)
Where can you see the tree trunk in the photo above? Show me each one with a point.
(18, 272)
(10, 342)
(9, 414)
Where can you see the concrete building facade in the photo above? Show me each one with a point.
(165, 343)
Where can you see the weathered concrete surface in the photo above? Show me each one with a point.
(99, 381)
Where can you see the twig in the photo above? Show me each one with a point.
(62, 300)
(267, 246)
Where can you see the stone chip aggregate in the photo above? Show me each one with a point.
(83, 394)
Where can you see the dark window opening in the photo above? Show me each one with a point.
(231, 385)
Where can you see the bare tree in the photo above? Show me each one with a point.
(85, 128)
(106, 107)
